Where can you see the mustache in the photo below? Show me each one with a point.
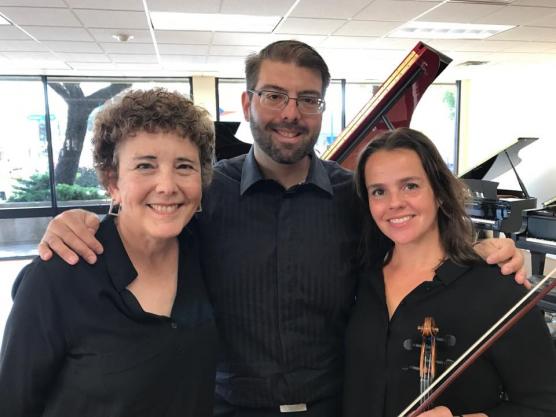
(290, 126)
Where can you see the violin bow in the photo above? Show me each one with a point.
(482, 344)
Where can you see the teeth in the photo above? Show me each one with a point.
(165, 209)
(287, 133)
(400, 219)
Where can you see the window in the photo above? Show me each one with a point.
(73, 106)
(36, 156)
(229, 99)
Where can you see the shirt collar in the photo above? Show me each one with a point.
(318, 176)
(119, 266)
(449, 271)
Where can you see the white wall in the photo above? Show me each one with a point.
(498, 106)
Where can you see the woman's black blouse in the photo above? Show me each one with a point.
(77, 342)
(515, 377)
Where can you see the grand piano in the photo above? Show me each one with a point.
(392, 106)
(538, 234)
(498, 210)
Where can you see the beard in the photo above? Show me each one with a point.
(280, 152)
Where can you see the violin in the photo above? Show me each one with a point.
(427, 357)
(424, 401)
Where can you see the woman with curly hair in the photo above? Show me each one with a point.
(132, 335)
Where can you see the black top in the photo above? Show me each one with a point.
(77, 342)
(280, 273)
(515, 377)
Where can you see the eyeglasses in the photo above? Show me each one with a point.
(278, 101)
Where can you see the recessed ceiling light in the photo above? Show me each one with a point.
(4, 21)
(213, 22)
(442, 30)
(123, 37)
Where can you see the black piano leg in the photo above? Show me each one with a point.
(537, 263)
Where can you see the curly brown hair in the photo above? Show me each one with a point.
(153, 111)
(456, 228)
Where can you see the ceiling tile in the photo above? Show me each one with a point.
(73, 57)
(525, 33)
(539, 3)
(367, 28)
(354, 42)
(205, 6)
(11, 32)
(40, 16)
(52, 33)
(106, 4)
(147, 59)
(186, 59)
(146, 68)
(310, 26)
(459, 13)
(394, 11)
(313, 40)
(21, 45)
(91, 65)
(31, 56)
(229, 50)
(256, 7)
(85, 47)
(112, 19)
(128, 48)
(105, 35)
(395, 43)
(170, 49)
(241, 39)
(183, 36)
(514, 15)
(333, 9)
(33, 3)
(549, 20)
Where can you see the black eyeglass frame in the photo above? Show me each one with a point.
(321, 102)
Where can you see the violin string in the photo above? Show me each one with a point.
(471, 349)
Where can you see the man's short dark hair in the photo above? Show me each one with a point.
(288, 51)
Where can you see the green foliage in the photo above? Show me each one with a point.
(77, 192)
(450, 100)
(37, 188)
(86, 177)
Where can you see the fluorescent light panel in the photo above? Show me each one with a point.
(441, 30)
(213, 22)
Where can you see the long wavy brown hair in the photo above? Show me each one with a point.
(456, 228)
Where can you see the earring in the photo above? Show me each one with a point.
(199, 209)
(114, 209)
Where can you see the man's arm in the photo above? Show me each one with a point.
(504, 253)
(71, 234)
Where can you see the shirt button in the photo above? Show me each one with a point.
(174, 325)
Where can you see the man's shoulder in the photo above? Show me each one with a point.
(230, 167)
(336, 172)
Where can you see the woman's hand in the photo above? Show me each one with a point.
(502, 251)
(71, 234)
(437, 412)
(445, 412)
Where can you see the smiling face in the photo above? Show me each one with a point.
(401, 200)
(158, 185)
(285, 136)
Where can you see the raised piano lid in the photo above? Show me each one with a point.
(500, 163)
(227, 145)
(392, 106)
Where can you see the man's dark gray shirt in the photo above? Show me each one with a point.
(280, 270)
